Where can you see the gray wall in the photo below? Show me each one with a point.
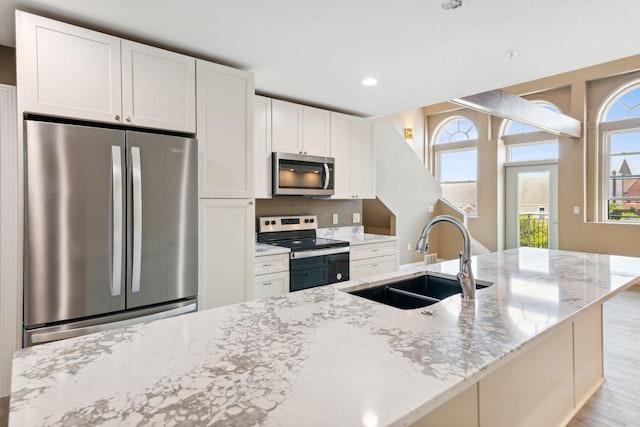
(324, 208)
(7, 65)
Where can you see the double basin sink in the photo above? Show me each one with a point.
(415, 292)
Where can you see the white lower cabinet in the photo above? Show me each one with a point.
(373, 259)
(226, 247)
(271, 285)
(271, 276)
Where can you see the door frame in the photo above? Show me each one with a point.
(512, 224)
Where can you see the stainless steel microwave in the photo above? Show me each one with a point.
(302, 175)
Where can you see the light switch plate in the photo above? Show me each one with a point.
(576, 210)
(335, 218)
(431, 209)
(356, 217)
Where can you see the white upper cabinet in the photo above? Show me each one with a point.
(286, 127)
(363, 160)
(352, 147)
(262, 146)
(315, 131)
(158, 88)
(67, 71)
(299, 129)
(341, 125)
(225, 132)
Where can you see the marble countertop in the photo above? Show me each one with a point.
(263, 249)
(354, 235)
(319, 357)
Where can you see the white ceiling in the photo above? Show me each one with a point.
(318, 52)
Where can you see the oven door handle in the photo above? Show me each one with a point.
(327, 176)
(319, 252)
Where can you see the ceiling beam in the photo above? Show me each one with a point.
(506, 105)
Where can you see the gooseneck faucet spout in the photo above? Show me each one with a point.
(465, 276)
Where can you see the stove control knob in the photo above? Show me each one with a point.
(266, 223)
(312, 220)
(306, 221)
(339, 276)
(273, 223)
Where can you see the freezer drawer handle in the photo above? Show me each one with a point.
(137, 218)
(42, 337)
(116, 221)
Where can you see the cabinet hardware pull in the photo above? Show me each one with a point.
(117, 117)
(266, 265)
(374, 265)
(266, 284)
(374, 250)
(128, 119)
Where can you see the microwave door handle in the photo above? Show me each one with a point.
(326, 176)
(136, 173)
(116, 221)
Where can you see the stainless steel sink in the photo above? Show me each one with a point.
(416, 292)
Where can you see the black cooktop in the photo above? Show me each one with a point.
(308, 243)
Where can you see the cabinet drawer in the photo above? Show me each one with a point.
(271, 264)
(269, 285)
(372, 266)
(373, 250)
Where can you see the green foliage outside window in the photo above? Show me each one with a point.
(534, 231)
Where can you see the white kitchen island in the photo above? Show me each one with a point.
(322, 357)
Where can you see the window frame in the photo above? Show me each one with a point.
(605, 130)
(529, 138)
(468, 145)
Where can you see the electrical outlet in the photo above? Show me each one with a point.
(408, 246)
(431, 209)
(335, 218)
(356, 217)
(576, 210)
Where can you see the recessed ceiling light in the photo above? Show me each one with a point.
(370, 81)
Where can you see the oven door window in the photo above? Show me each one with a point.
(297, 174)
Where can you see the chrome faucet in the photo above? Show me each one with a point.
(465, 276)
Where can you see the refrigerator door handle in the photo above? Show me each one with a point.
(116, 221)
(136, 173)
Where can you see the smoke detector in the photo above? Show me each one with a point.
(451, 4)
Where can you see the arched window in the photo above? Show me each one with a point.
(526, 143)
(619, 137)
(455, 147)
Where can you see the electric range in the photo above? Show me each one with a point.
(313, 261)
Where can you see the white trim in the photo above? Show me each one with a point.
(9, 277)
(531, 163)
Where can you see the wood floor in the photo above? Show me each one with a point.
(616, 403)
(4, 411)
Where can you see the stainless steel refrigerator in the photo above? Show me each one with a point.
(110, 229)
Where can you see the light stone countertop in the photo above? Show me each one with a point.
(354, 235)
(263, 249)
(318, 357)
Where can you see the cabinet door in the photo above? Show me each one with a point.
(341, 151)
(363, 160)
(315, 132)
(372, 267)
(226, 251)
(158, 87)
(67, 71)
(262, 146)
(225, 131)
(286, 127)
(270, 285)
